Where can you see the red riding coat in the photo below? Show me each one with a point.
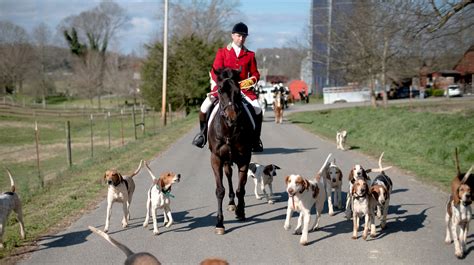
(226, 57)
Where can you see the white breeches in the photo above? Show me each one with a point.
(208, 102)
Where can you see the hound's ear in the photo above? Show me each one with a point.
(373, 192)
(306, 184)
(340, 174)
(276, 167)
(364, 174)
(105, 175)
(162, 183)
(351, 176)
(456, 199)
(286, 179)
(367, 171)
(119, 175)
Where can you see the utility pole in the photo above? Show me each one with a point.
(165, 64)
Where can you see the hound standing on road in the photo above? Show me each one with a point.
(120, 190)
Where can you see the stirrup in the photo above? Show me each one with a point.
(199, 140)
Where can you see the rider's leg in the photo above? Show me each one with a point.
(257, 145)
(200, 138)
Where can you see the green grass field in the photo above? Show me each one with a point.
(420, 138)
(68, 191)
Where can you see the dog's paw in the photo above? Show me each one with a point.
(258, 197)
(156, 232)
(304, 242)
(448, 241)
(145, 224)
(271, 202)
(458, 254)
(354, 237)
(297, 232)
(169, 224)
(331, 213)
(287, 227)
(1, 245)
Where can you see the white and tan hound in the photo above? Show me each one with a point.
(302, 195)
(132, 258)
(120, 189)
(341, 140)
(263, 176)
(458, 210)
(333, 183)
(380, 191)
(361, 207)
(358, 172)
(159, 196)
(145, 258)
(10, 201)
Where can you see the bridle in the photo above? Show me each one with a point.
(231, 103)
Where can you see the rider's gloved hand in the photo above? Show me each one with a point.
(247, 83)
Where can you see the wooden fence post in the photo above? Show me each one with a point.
(68, 143)
(169, 111)
(134, 121)
(37, 154)
(121, 125)
(143, 120)
(108, 126)
(92, 136)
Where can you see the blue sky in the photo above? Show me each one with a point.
(272, 23)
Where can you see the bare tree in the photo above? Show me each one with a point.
(210, 20)
(89, 34)
(42, 39)
(15, 56)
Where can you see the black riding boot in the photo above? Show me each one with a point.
(200, 138)
(257, 145)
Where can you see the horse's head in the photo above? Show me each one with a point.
(230, 98)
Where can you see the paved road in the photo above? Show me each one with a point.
(415, 233)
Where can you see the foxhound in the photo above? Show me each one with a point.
(120, 189)
(159, 196)
(263, 176)
(10, 201)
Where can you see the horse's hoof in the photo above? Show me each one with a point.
(220, 230)
(231, 208)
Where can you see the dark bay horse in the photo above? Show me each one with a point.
(230, 135)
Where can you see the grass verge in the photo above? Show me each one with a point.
(81, 187)
(419, 138)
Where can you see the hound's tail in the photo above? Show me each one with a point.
(149, 171)
(112, 241)
(138, 169)
(12, 183)
(380, 169)
(325, 165)
(456, 160)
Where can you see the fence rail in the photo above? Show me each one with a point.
(38, 144)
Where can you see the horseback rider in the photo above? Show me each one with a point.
(235, 56)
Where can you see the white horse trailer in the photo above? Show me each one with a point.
(345, 94)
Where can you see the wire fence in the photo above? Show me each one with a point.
(37, 144)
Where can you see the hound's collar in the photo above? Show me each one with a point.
(167, 192)
(359, 197)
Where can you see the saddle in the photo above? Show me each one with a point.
(249, 110)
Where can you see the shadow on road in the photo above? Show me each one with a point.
(280, 150)
(406, 223)
(64, 240)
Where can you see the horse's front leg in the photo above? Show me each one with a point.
(228, 173)
(220, 192)
(240, 212)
